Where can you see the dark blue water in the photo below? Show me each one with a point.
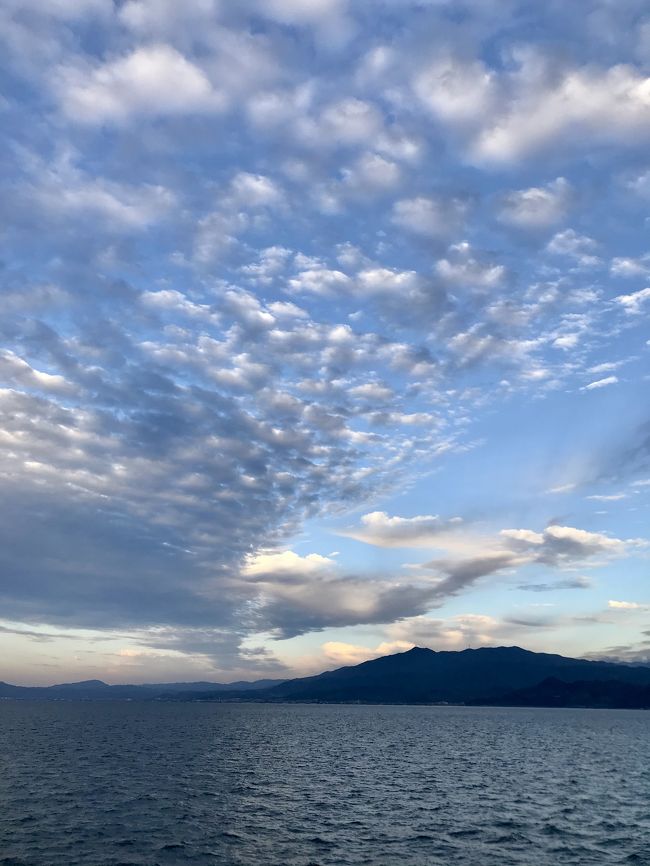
(138, 783)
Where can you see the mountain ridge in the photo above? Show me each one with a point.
(421, 675)
(99, 690)
(484, 675)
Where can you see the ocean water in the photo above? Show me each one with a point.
(260, 785)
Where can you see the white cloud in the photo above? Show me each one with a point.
(562, 488)
(477, 345)
(576, 246)
(641, 185)
(601, 383)
(371, 173)
(629, 267)
(372, 391)
(120, 206)
(633, 303)
(319, 280)
(18, 371)
(285, 309)
(558, 543)
(171, 300)
(464, 267)
(151, 80)
(167, 18)
(216, 233)
(382, 530)
(626, 605)
(247, 198)
(342, 654)
(456, 90)
(429, 217)
(606, 367)
(567, 341)
(607, 497)
(537, 207)
(386, 281)
(329, 18)
(345, 123)
(255, 190)
(272, 261)
(286, 563)
(453, 632)
(539, 106)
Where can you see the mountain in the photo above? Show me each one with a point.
(606, 694)
(422, 676)
(96, 690)
(239, 685)
(490, 675)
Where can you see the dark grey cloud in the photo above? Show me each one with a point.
(460, 574)
(557, 547)
(533, 622)
(628, 458)
(338, 602)
(579, 582)
(40, 636)
(635, 654)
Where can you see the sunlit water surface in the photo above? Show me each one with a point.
(260, 785)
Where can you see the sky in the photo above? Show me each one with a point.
(324, 333)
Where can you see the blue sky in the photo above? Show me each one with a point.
(324, 333)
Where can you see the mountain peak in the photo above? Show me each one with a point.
(421, 675)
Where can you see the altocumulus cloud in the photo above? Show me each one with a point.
(265, 263)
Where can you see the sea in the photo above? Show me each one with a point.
(226, 784)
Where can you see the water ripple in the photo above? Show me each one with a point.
(137, 784)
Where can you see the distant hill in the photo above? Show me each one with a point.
(238, 685)
(96, 690)
(491, 675)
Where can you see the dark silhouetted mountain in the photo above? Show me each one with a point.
(422, 676)
(419, 676)
(606, 694)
